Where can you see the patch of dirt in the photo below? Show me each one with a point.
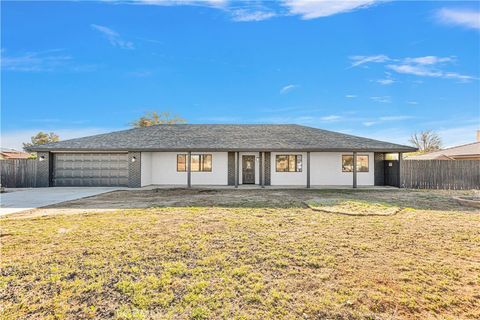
(251, 198)
(352, 208)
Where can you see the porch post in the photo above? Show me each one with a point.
(261, 169)
(400, 160)
(236, 168)
(189, 169)
(354, 169)
(308, 169)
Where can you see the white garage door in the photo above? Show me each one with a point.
(90, 169)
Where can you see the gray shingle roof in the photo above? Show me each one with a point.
(462, 151)
(223, 137)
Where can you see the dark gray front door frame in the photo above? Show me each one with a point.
(248, 175)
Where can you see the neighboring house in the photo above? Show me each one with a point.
(470, 151)
(277, 155)
(6, 153)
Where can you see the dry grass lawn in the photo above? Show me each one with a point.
(270, 259)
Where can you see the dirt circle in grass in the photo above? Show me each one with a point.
(473, 201)
(352, 207)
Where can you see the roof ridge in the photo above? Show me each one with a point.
(459, 146)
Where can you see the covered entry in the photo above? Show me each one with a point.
(248, 169)
(387, 169)
(90, 169)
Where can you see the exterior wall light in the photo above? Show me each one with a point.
(41, 158)
(134, 159)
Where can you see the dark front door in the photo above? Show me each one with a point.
(248, 169)
(392, 168)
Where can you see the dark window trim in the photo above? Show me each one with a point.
(358, 155)
(201, 164)
(296, 162)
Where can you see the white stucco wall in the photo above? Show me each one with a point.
(288, 178)
(164, 170)
(146, 168)
(326, 169)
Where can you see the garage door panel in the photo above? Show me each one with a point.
(90, 169)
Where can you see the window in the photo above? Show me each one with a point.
(181, 162)
(289, 163)
(347, 163)
(200, 162)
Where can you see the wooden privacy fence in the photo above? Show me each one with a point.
(18, 173)
(440, 174)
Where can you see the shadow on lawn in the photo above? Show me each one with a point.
(266, 198)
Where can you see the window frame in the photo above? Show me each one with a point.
(358, 155)
(297, 156)
(185, 162)
(201, 163)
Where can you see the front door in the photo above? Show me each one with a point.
(248, 169)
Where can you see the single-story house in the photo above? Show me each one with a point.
(7, 153)
(216, 154)
(470, 151)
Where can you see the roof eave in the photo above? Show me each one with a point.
(385, 150)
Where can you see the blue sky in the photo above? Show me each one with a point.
(381, 69)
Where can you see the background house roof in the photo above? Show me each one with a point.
(223, 137)
(7, 153)
(470, 150)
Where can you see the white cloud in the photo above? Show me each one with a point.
(288, 88)
(113, 37)
(45, 61)
(385, 119)
(412, 102)
(428, 60)
(309, 9)
(359, 60)
(243, 15)
(460, 17)
(461, 77)
(242, 11)
(417, 70)
(14, 139)
(330, 118)
(424, 66)
(35, 61)
(382, 99)
(350, 96)
(213, 3)
(395, 118)
(385, 82)
(423, 71)
(140, 73)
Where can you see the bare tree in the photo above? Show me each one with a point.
(154, 118)
(426, 141)
(42, 138)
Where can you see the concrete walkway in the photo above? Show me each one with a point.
(17, 200)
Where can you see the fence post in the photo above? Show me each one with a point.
(400, 160)
(354, 169)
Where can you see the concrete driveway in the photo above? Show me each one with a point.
(17, 200)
